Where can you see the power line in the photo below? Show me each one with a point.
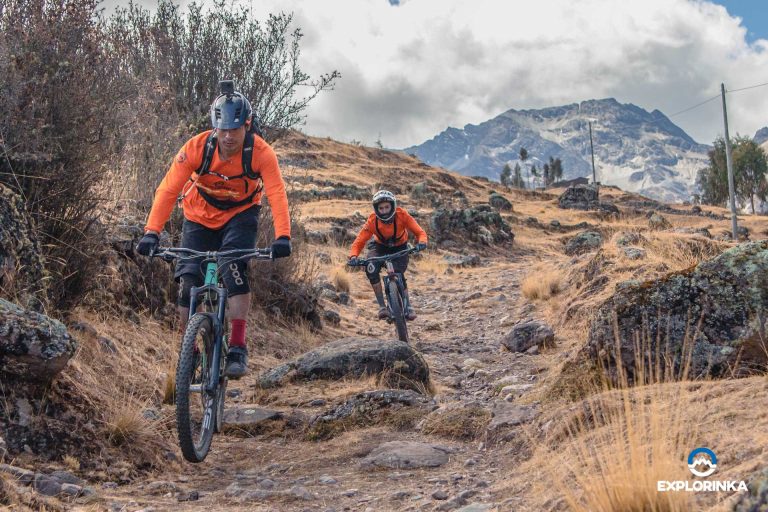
(749, 87)
(695, 106)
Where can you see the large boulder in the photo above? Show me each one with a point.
(528, 334)
(354, 357)
(33, 347)
(579, 197)
(406, 455)
(586, 241)
(713, 314)
(499, 202)
(22, 272)
(481, 224)
(584, 197)
(756, 500)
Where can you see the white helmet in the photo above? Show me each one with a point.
(384, 196)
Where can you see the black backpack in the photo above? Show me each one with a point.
(210, 148)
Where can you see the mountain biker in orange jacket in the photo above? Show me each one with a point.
(389, 226)
(221, 208)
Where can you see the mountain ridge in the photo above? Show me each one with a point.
(637, 150)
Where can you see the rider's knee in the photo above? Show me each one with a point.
(235, 277)
(186, 282)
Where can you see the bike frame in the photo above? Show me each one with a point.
(391, 274)
(211, 286)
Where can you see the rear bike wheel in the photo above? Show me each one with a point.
(398, 314)
(195, 408)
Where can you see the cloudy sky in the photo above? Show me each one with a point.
(414, 67)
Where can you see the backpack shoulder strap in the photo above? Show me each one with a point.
(248, 157)
(208, 150)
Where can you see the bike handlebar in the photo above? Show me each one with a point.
(179, 253)
(364, 262)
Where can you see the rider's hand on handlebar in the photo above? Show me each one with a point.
(281, 248)
(352, 260)
(148, 244)
(421, 246)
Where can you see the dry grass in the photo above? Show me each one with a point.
(341, 279)
(542, 283)
(464, 423)
(125, 422)
(431, 264)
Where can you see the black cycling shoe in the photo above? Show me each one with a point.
(237, 363)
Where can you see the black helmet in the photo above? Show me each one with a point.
(230, 109)
(383, 196)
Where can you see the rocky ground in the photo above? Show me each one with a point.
(515, 297)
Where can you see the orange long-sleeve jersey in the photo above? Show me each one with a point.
(384, 233)
(197, 209)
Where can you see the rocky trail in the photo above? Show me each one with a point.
(380, 467)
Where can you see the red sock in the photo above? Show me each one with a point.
(237, 335)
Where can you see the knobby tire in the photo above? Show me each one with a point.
(398, 313)
(194, 450)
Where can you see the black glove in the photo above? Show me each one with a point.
(352, 260)
(421, 246)
(281, 248)
(148, 244)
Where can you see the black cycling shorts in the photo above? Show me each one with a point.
(400, 264)
(238, 233)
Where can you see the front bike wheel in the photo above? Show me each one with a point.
(398, 313)
(195, 407)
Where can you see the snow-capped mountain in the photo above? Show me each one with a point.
(637, 150)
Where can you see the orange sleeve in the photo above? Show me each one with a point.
(186, 161)
(274, 187)
(413, 226)
(362, 238)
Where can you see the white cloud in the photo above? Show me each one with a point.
(409, 71)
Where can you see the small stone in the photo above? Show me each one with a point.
(470, 463)
(327, 480)
(71, 490)
(318, 402)
(472, 296)
(350, 492)
(189, 496)
(46, 485)
(400, 495)
(472, 363)
(533, 351)
(481, 484)
(109, 485)
(266, 483)
(344, 298)
(440, 495)
(467, 494)
(332, 317)
(65, 477)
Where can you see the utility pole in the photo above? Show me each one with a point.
(729, 163)
(592, 151)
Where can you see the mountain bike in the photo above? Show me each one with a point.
(394, 289)
(201, 385)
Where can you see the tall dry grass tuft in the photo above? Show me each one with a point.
(341, 279)
(633, 432)
(125, 422)
(542, 284)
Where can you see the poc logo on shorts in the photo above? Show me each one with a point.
(371, 268)
(236, 273)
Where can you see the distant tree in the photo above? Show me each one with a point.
(506, 176)
(523, 158)
(545, 173)
(555, 170)
(517, 177)
(749, 170)
(535, 173)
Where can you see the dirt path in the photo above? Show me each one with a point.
(462, 317)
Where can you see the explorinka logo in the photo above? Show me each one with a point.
(702, 457)
(702, 462)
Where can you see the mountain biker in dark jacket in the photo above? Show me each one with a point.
(221, 208)
(389, 226)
